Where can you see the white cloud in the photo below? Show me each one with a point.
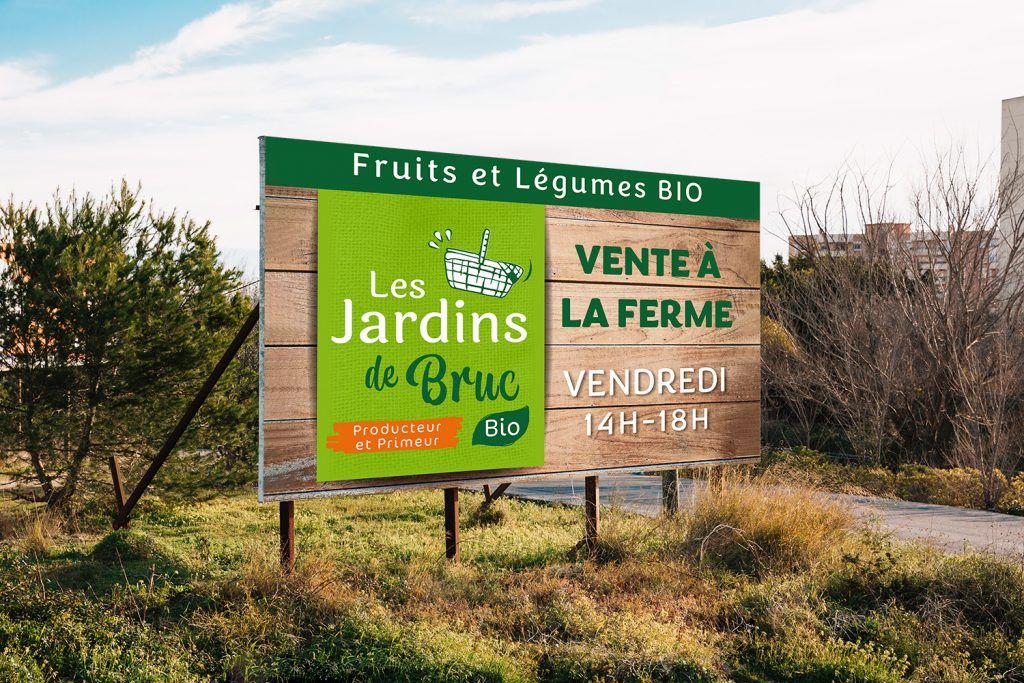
(461, 12)
(782, 100)
(229, 27)
(20, 76)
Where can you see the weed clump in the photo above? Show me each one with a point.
(488, 513)
(40, 532)
(749, 527)
(577, 662)
(126, 545)
(825, 661)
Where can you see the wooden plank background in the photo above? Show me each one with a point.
(288, 388)
(290, 377)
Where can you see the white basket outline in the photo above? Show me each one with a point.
(474, 272)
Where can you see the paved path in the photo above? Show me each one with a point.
(949, 528)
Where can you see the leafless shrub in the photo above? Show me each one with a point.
(905, 328)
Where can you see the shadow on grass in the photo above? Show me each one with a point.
(202, 483)
(395, 515)
(121, 557)
(522, 559)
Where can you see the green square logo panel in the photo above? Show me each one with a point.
(430, 335)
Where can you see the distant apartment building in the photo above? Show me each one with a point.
(876, 236)
(1011, 175)
(929, 252)
(1012, 157)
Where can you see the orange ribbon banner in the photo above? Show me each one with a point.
(395, 435)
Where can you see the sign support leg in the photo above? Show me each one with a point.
(670, 492)
(592, 511)
(451, 524)
(287, 515)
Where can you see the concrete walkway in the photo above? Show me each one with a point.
(949, 528)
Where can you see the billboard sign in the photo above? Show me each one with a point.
(434, 319)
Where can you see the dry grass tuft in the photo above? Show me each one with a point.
(758, 527)
(41, 532)
(35, 530)
(316, 577)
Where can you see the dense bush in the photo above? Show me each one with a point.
(1012, 501)
(958, 486)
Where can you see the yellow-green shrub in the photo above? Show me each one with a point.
(959, 487)
(1012, 500)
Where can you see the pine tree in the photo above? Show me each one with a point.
(110, 314)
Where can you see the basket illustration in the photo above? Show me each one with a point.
(474, 272)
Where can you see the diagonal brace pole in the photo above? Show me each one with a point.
(490, 496)
(121, 519)
(115, 474)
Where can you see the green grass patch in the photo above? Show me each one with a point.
(783, 590)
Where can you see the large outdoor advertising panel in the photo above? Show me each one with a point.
(434, 319)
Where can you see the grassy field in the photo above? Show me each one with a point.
(751, 585)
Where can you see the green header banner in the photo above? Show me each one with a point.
(363, 168)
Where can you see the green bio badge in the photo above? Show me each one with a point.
(430, 335)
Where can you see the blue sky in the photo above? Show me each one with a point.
(174, 95)
(76, 37)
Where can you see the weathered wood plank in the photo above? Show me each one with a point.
(290, 315)
(289, 308)
(736, 253)
(289, 238)
(678, 220)
(290, 463)
(290, 375)
(290, 244)
(292, 192)
(289, 382)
